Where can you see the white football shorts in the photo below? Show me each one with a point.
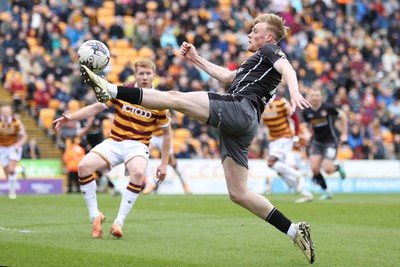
(120, 152)
(280, 148)
(156, 141)
(8, 153)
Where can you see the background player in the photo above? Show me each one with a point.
(128, 143)
(325, 138)
(12, 138)
(276, 117)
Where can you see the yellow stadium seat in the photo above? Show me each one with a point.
(73, 105)
(231, 38)
(31, 41)
(122, 60)
(318, 67)
(117, 68)
(107, 20)
(128, 19)
(196, 143)
(105, 12)
(131, 52)
(177, 145)
(190, 37)
(5, 15)
(54, 103)
(112, 77)
(46, 116)
(38, 49)
(151, 5)
(182, 133)
(122, 44)
(145, 52)
(63, 26)
(109, 5)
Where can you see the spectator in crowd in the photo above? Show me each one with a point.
(31, 150)
(344, 45)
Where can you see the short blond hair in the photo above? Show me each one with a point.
(275, 23)
(144, 63)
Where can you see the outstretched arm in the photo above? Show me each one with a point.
(343, 118)
(285, 68)
(81, 114)
(188, 51)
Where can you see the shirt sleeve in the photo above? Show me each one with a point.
(272, 53)
(163, 118)
(333, 110)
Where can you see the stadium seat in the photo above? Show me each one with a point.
(122, 44)
(182, 133)
(151, 5)
(128, 19)
(31, 41)
(109, 5)
(73, 105)
(196, 143)
(155, 153)
(54, 103)
(318, 67)
(177, 145)
(4, 16)
(112, 77)
(46, 116)
(105, 12)
(131, 52)
(63, 26)
(145, 52)
(179, 116)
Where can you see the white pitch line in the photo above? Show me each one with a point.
(24, 231)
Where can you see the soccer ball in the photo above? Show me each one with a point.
(94, 55)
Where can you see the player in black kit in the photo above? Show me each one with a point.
(325, 139)
(236, 114)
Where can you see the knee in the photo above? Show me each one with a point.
(137, 174)
(237, 197)
(84, 169)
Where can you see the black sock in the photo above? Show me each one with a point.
(277, 219)
(320, 180)
(132, 95)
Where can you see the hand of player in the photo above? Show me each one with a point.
(343, 138)
(188, 51)
(63, 120)
(161, 172)
(298, 101)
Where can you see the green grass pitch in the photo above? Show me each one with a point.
(197, 230)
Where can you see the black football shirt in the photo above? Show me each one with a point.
(322, 121)
(256, 78)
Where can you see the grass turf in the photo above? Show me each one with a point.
(194, 230)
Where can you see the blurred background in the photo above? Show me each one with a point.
(348, 48)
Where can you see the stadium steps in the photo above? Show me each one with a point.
(46, 144)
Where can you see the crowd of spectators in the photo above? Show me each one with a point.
(349, 51)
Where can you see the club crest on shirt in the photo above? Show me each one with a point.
(280, 53)
(324, 113)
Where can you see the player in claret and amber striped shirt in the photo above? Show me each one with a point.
(127, 143)
(12, 138)
(276, 117)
